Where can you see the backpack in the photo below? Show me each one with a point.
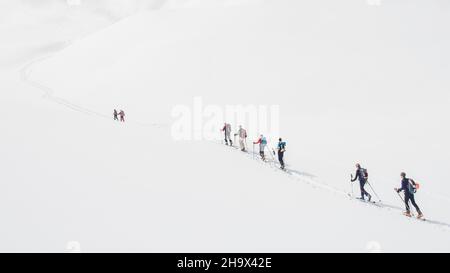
(228, 128)
(411, 187)
(264, 141)
(364, 173)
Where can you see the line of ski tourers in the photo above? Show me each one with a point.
(261, 142)
(408, 186)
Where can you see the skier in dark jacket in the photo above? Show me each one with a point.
(362, 176)
(281, 148)
(409, 188)
(116, 115)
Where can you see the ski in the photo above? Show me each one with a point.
(366, 201)
(414, 217)
(375, 203)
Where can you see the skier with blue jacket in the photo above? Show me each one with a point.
(281, 148)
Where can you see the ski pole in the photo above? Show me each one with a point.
(253, 151)
(351, 184)
(373, 191)
(273, 155)
(273, 158)
(401, 198)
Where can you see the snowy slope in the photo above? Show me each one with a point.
(353, 83)
(31, 28)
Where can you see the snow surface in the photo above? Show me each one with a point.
(355, 83)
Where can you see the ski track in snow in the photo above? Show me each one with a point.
(49, 94)
(312, 180)
(25, 74)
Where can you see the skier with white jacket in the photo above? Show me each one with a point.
(242, 133)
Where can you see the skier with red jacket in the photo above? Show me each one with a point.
(227, 131)
(122, 116)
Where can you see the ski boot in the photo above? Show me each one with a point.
(407, 213)
(370, 198)
(420, 216)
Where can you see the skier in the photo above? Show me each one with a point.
(262, 146)
(281, 148)
(362, 176)
(116, 115)
(122, 116)
(227, 131)
(409, 188)
(242, 133)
